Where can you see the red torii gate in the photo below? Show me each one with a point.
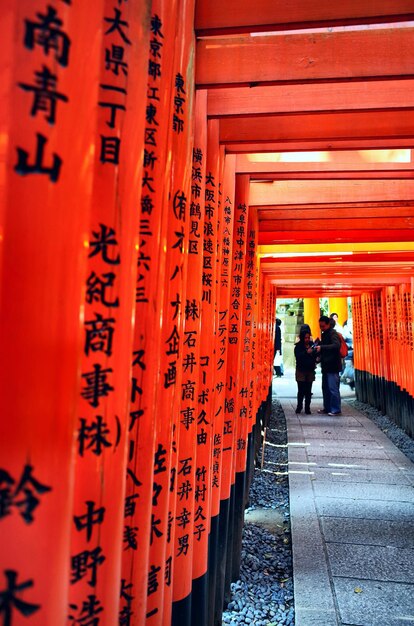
(143, 245)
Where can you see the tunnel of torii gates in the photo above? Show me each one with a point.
(170, 171)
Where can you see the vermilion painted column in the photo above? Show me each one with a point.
(224, 278)
(269, 304)
(250, 319)
(410, 317)
(339, 306)
(163, 551)
(244, 408)
(405, 310)
(147, 454)
(357, 343)
(392, 331)
(48, 146)
(99, 535)
(384, 339)
(311, 315)
(234, 334)
(232, 439)
(189, 411)
(219, 509)
(254, 375)
(246, 343)
(177, 601)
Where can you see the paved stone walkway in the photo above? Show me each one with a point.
(352, 518)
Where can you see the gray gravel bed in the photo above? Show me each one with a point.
(264, 594)
(399, 438)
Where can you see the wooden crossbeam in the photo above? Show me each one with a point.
(310, 292)
(340, 162)
(284, 270)
(320, 145)
(353, 280)
(287, 214)
(365, 259)
(318, 126)
(326, 191)
(310, 97)
(322, 236)
(283, 203)
(314, 57)
(235, 16)
(338, 221)
(380, 174)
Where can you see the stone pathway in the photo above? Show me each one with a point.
(352, 518)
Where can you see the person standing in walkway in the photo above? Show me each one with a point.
(331, 363)
(305, 370)
(278, 358)
(337, 325)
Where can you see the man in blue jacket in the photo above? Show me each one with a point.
(331, 363)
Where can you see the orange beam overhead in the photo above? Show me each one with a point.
(322, 236)
(328, 291)
(327, 191)
(311, 97)
(318, 126)
(283, 270)
(337, 164)
(353, 280)
(216, 16)
(317, 144)
(291, 215)
(339, 206)
(339, 175)
(338, 220)
(310, 57)
(352, 260)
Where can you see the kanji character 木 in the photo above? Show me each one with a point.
(10, 603)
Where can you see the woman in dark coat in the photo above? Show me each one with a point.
(305, 370)
(278, 369)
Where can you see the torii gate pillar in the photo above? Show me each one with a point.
(311, 314)
(340, 306)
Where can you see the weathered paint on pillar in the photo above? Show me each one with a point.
(311, 315)
(99, 536)
(339, 306)
(47, 181)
